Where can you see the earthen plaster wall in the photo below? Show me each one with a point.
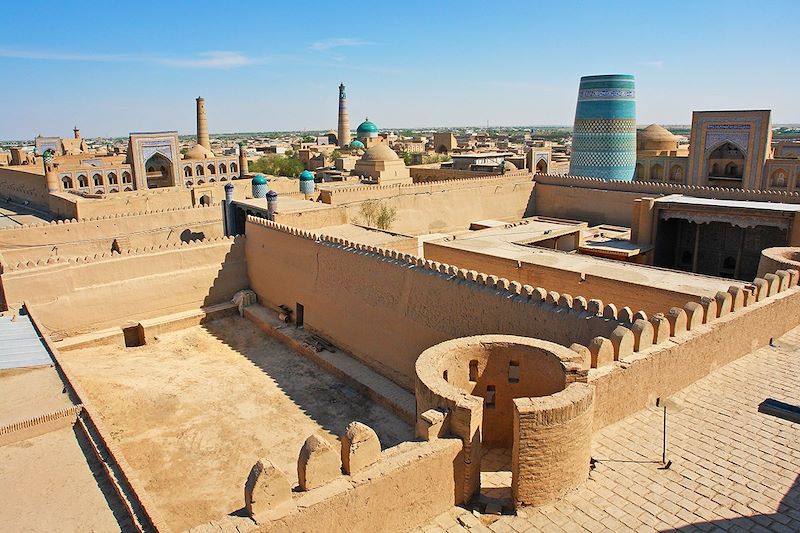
(600, 201)
(96, 236)
(442, 206)
(668, 367)
(778, 258)
(411, 483)
(347, 288)
(113, 290)
(421, 174)
(24, 184)
(589, 284)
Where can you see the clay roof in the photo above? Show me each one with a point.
(654, 132)
(379, 152)
(199, 152)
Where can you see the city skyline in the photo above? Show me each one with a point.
(428, 66)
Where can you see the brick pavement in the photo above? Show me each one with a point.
(733, 468)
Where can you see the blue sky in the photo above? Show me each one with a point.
(116, 67)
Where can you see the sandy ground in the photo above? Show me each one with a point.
(195, 410)
(13, 215)
(30, 392)
(48, 484)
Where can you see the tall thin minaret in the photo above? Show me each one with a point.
(344, 119)
(202, 124)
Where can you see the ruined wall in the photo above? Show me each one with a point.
(590, 284)
(93, 293)
(346, 289)
(72, 238)
(24, 185)
(409, 485)
(610, 202)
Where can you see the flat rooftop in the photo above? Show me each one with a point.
(193, 412)
(527, 231)
(679, 199)
(503, 243)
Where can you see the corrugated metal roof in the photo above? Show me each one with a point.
(20, 345)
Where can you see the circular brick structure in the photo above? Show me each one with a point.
(778, 258)
(512, 392)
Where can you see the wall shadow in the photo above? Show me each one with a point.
(322, 397)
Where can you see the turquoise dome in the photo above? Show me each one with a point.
(357, 144)
(259, 179)
(306, 176)
(367, 129)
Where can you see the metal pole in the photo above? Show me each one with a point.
(664, 447)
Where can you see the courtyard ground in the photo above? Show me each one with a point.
(193, 412)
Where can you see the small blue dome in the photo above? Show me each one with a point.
(357, 144)
(272, 194)
(259, 179)
(306, 176)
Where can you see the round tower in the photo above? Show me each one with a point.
(50, 174)
(604, 135)
(243, 165)
(307, 185)
(259, 184)
(272, 204)
(202, 124)
(343, 134)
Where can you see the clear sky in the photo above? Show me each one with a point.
(116, 67)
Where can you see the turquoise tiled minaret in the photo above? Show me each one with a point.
(604, 136)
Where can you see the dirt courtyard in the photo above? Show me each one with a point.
(195, 410)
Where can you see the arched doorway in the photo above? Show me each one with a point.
(657, 171)
(205, 200)
(541, 167)
(726, 161)
(159, 172)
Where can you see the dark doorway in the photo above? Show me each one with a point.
(299, 315)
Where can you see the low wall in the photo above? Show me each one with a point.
(410, 484)
(611, 202)
(89, 294)
(691, 342)
(417, 303)
(73, 238)
(424, 175)
(590, 284)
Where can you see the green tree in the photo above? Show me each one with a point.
(386, 217)
(278, 165)
(374, 213)
(369, 211)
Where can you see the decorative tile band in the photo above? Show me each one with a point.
(604, 134)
